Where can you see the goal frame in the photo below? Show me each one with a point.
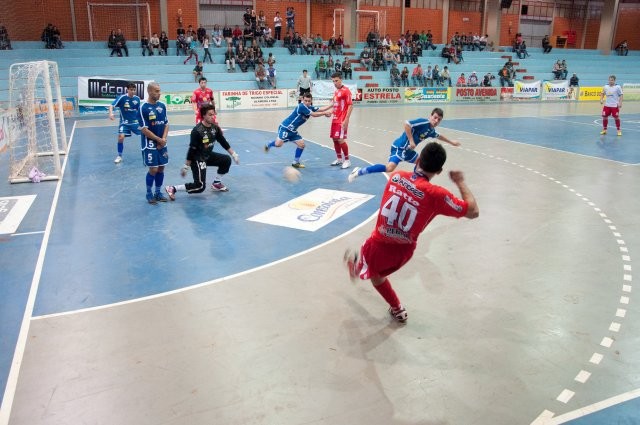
(135, 5)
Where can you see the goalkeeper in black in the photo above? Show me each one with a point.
(201, 155)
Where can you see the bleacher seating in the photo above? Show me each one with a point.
(92, 59)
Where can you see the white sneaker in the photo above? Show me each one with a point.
(346, 164)
(400, 314)
(336, 162)
(118, 159)
(353, 174)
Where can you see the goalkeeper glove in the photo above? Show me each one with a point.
(236, 157)
(183, 171)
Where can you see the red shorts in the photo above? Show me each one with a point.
(610, 110)
(380, 259)
(337, 132)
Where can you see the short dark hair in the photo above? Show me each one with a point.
(307, 94)
(337, 75)
(132, 86)
(202, 79)
(432, 157)
(206, 108)
(438, 111)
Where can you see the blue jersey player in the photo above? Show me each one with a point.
(288, 129)
(154, 126)
(403, 148)
(129, 105)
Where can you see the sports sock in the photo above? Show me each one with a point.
(605, 122)
(375, 168)
(150, 180)
(388, 294)
(159, 179)
(180, 187)
(345, 150)
(120, 148)
(217, 178)
(338, 149)
(617, 123)
(271, 144)
(298, 154)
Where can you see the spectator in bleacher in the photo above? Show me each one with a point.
(557, 70)
(339, 44)
(230, 59)
(446, 53)
(564, 68)
(304, 85)
(181, 45)
(417, 76)
(430, 41)
(258, 53)
(483, 42)
(428, 77)
(144, 44)
(122, 42)
(5, 42)
(523, 49)
(246, 17)
(271, 76)
(330, 65)
(413, 55)
(321, 68)
(269, 41)
(372, 38)
(338, 66)
(445, 76)
(287, 42)
(236, 38)
(261, 76)
(458, 56)
(476, 42)
(277, 25)
(198, 71)
(394, 75)
(191, 49)
(468, 42)
(623, 48)
(472, 81)
(112, 44)
(227, 34)
(512, 71)
(164, 42)
(386, 42)
(207, 53)
(347, 72)
(462, 82)
(486, 80)
(318, 45)
(505, 77)
(365, 59)
(262, 21)
(574, 80)
(51, 37)
(247, 36)
(307, 44)
(546, 44)
(290, 17)
(404, 76)
(254, 20)
(201, 33)
(180, 30)
(435, 74)
(258, 37)
(241, 58)
(216, 36)
(251, 58)
(154, 44)
(191, 33)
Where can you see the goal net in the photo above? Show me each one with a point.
(134, 19)
(36, 133)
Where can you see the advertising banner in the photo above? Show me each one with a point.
(590, 93)
(382, 95)
(95, 94)
(252, 99)
(506, 93)
(323, 90)
(180, 101)
(555, 89)
(475, 94)
(522, 90)
(631, 91)
(426, 94)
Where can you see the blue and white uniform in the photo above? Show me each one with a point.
(129, 108)
(421, 129)
(154, 117)
(288, 130)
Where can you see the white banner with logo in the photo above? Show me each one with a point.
(313, 210)
(95, 94)
(522, 90)
(253, 99)
(323, 90)
(555, 89)
(631, 91)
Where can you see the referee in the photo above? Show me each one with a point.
(304, 85)
(201, 155)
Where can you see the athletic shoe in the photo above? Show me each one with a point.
(297, 164)
(619, 133)
(151, 199)
(160, 197)
(400, 314)
(336, 163)
(351, 262)
(603, 132)
(353, 174)
(219, 187)
(346, 164)
(171, 191)
(118, 159)
(266, 148)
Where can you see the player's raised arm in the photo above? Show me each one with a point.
(465, 193)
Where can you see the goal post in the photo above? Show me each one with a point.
(134, 19)
(36, 132)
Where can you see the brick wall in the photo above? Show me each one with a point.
(464, 23)
(508, 32)
(628, 29)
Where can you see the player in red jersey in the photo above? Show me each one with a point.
(203, 96)
(409, 203)
(342, 107)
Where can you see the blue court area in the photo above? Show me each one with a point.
(108, 245)
(579, 134)
(625, 413)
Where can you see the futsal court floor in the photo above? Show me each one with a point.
(217, 309)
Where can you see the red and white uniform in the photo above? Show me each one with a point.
(200, 98)
(341, 103)
(409, 203)
(612, 100)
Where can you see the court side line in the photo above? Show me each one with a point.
(587, 410)
(593, 123)
(21, 343)
(39, 232)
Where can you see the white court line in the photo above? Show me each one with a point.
(360, 143)
(21, 343)
(29, 233)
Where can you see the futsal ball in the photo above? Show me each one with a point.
(291, 174)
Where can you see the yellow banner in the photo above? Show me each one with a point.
(590, 93)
